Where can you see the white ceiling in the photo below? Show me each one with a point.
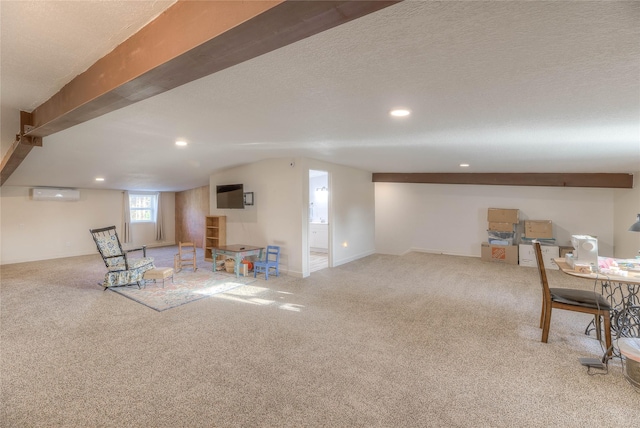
(505, 86)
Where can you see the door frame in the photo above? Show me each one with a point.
(329, 220)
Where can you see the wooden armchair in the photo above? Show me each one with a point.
(121, 269)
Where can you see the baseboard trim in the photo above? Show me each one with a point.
(431, 251)
(337, 263)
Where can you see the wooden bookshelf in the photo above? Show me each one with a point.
(215, 234)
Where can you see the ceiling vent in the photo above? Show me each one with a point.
(53, 194)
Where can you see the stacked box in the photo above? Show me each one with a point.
(539, 230)
(507, 254)
(502, 215)
(501, 233)
(501, 238)
(502, 226)
(527, 256)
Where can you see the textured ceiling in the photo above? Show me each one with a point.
(504, 86)
(45, 44)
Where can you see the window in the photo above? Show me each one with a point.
(142, 208)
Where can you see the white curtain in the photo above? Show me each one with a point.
(159, 219)
(126, 219)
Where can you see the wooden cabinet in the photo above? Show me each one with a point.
(319, 237)
(215, 234)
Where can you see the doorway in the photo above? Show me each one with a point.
(318, 220)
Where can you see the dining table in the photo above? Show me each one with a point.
(619, 285)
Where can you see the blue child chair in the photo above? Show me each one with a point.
(271, 261)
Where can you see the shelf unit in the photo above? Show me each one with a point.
(215, 235)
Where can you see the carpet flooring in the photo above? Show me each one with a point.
(419, 340)
(186, 287)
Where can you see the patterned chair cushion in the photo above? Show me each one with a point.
(117, 263)
(109, 245)
(125, 277)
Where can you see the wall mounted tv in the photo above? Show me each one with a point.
(230, 196)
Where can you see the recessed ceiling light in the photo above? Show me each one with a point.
(400, 112)
(464, 165)
(181, 143)
(99, 179)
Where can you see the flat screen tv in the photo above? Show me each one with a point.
(230, 196)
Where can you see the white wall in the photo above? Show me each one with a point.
(39, 230)
(439, 218)
(452, 219)
(280, 214)
(352, 214)
(276, 216)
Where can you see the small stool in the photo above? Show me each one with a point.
(159, 273)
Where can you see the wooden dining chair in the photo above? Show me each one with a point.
(588, 302)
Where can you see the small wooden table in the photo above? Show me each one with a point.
(238, 252)
(631, 278)
(620, 291)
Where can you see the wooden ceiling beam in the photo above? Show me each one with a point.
(20, 147)
(16, 154)
(616, 181)
(189, 40)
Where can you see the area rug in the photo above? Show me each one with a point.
(187, 286)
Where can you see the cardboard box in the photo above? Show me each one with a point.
(527, 256)
(492, 234)
(538, 229)
(507, 254)
(502, 215)
(564, 250)
(501, 227)
(501, 238)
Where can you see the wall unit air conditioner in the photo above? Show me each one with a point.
(53, 194)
